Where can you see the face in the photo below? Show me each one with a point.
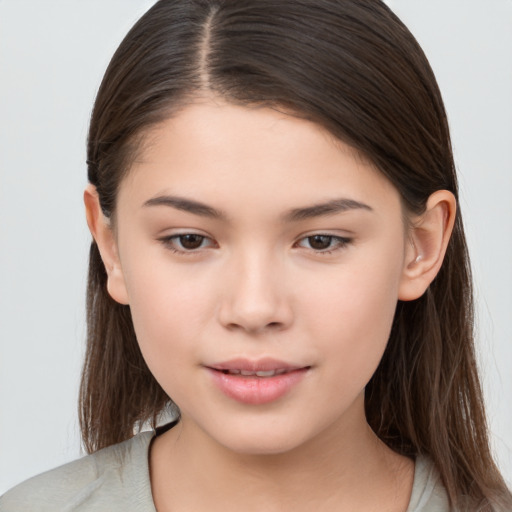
(250, 241)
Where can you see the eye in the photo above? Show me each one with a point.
(186, 242)
(323, 243)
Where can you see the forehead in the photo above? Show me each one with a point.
(214, 124)
(227, 153)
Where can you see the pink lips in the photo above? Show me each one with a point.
(256, 382)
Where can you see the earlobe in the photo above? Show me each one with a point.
(103, 235)
(429, 237)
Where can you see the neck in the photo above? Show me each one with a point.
(346, 467)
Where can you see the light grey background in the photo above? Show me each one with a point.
(52, 57)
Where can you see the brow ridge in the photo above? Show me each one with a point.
(186, 205)
(331, 207)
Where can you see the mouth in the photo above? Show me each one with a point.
(261, 373)
(266, 367)
(256, 382)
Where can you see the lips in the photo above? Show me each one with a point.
(261, 373)
(261, 365)
(256, 382)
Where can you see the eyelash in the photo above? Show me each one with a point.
(340, 242)
(170, 243)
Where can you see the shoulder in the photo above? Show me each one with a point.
(428, 492)
(116, 475)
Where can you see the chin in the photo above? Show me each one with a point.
(263, 445)
(264, 437)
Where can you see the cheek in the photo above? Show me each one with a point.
(359, 295)
(351, 314)
(169, 311)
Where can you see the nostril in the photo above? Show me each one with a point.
(254, 314)
(255, 328)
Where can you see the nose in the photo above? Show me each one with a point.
(255, 296)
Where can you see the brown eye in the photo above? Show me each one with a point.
(191, 241)
(324, 244)
(187, 243)
(320, 242)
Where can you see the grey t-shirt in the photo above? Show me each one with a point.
(116, 479)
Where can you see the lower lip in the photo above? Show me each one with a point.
(257, 390)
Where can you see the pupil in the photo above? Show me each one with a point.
(191, 241)
(320, 241)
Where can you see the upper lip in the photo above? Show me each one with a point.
(260, 365)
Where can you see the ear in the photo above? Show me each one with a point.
(429, 237)
(102, 232)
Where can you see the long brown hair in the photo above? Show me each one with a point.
(353, 67)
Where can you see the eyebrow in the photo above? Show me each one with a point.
(323, 209)
(331, 207)
(187, 205)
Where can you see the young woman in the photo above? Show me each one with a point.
(279, 260)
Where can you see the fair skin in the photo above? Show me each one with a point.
(255, 279)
